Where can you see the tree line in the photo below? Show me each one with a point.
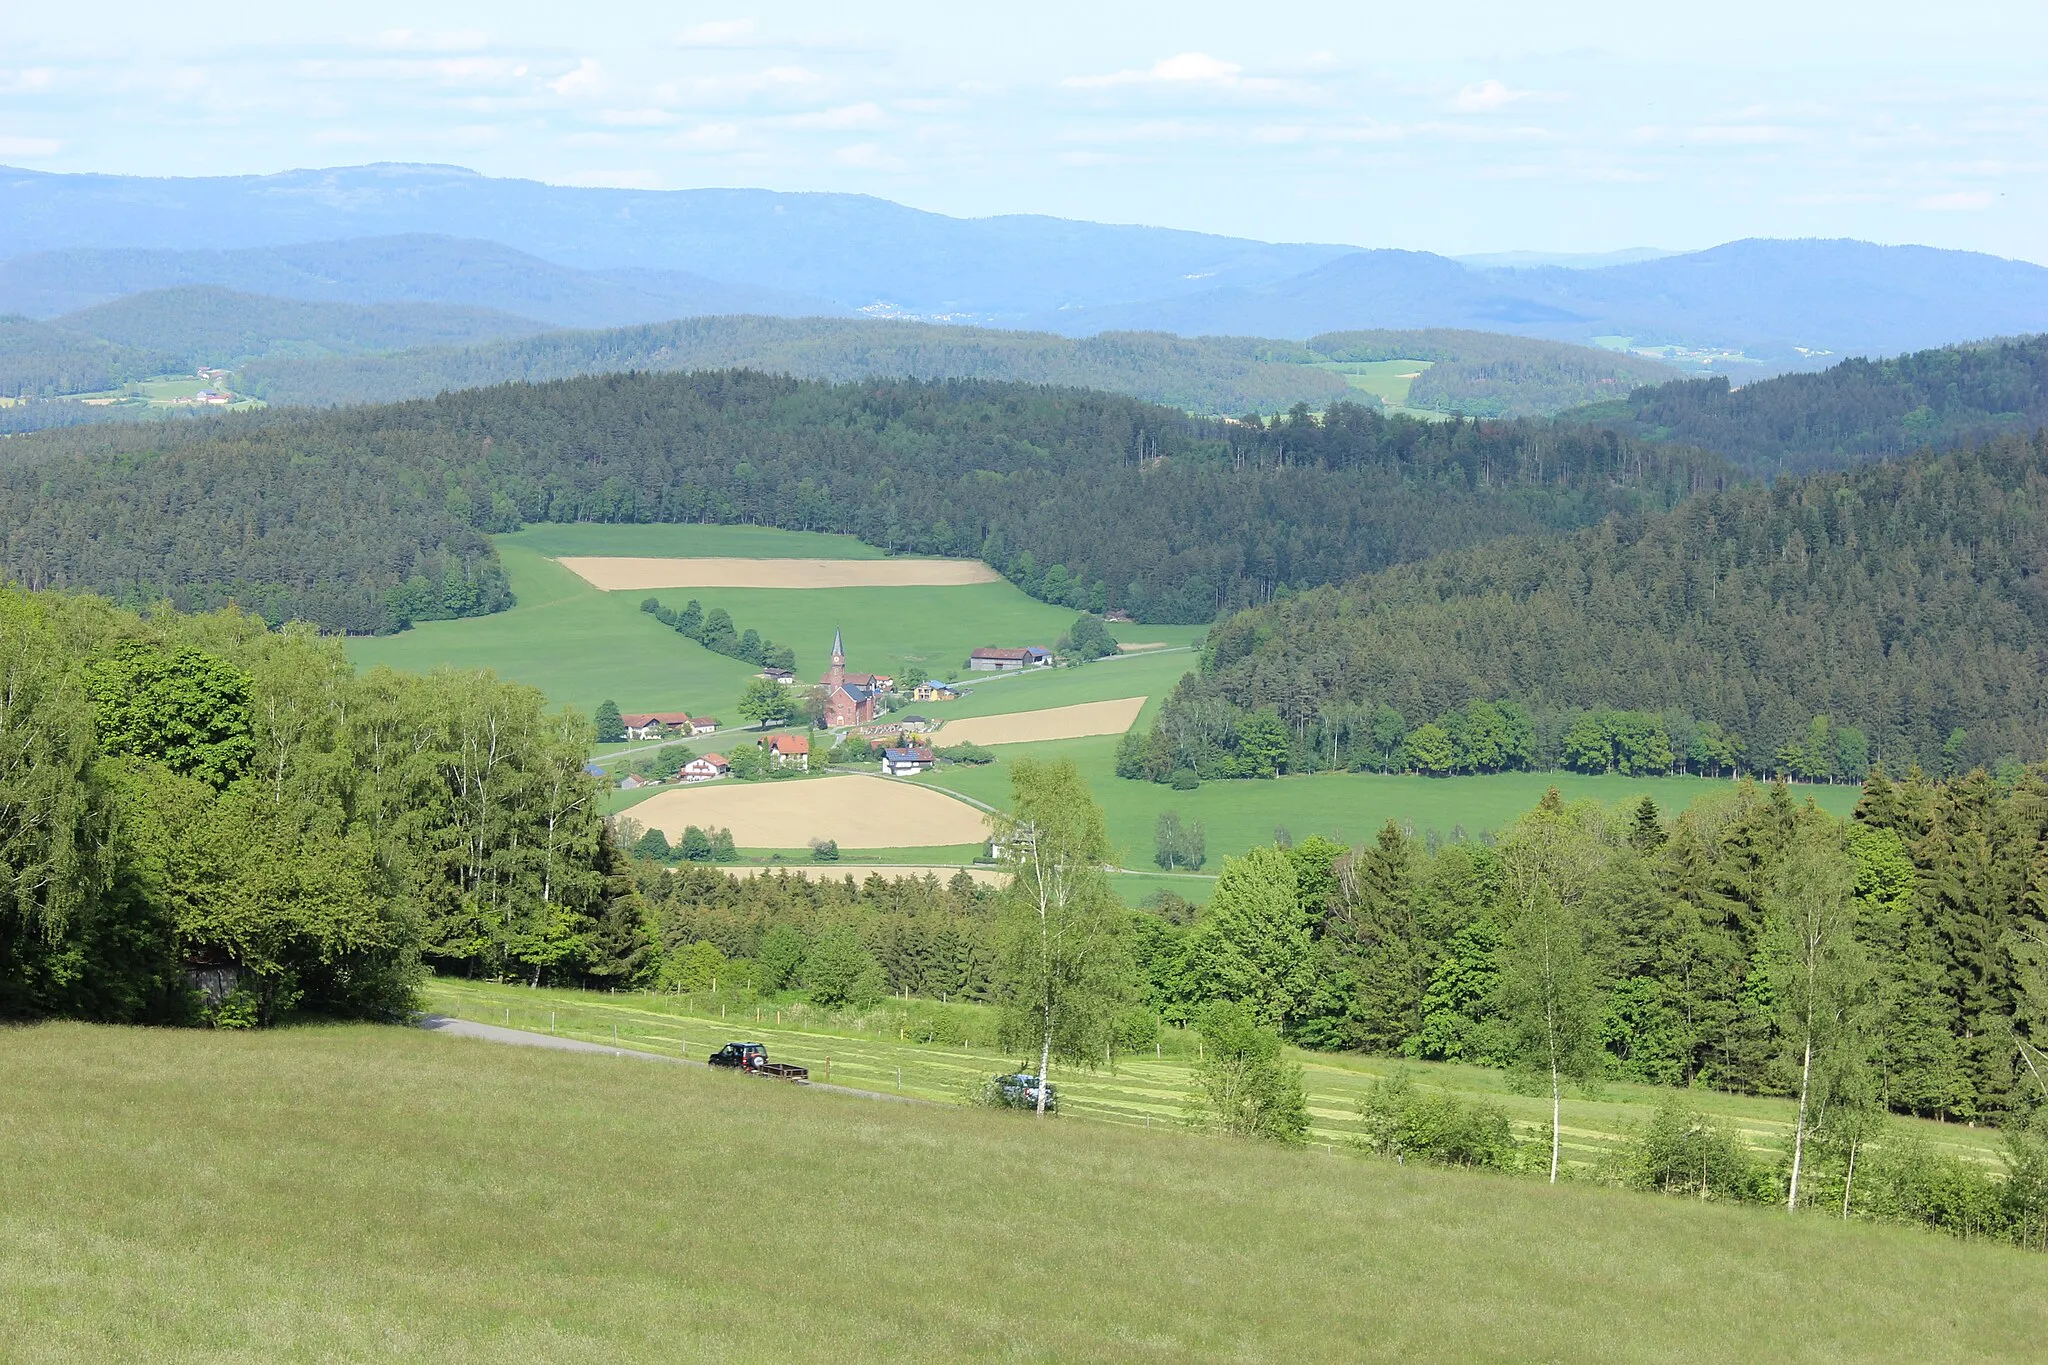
(715, 631)
(1890, 612)
(205, 820)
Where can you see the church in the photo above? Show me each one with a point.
(847, 702)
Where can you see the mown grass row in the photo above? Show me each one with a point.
(861, 1051)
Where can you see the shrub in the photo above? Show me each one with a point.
(1244, 1086)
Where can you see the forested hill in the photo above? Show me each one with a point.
(366, 519)
(1903, 604)
(1200, 374)
(1856, 410)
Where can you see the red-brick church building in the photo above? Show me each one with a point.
(847, 701)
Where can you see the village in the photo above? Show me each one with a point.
(853, 722)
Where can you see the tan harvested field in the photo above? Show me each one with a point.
(1035, 727)
(856, 812)
(637, 575)
(987, 876)
(1138, 648)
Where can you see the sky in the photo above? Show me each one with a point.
(1449, 127)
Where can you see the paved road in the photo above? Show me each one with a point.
(493, 1033)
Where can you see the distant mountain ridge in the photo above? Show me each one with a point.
(603, 257)
(413, 268)
(851, 250)
(1783, 303)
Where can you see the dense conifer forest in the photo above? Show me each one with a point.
(1904, 601)
(364, 520)
(1857, 410)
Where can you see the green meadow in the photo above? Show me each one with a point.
(1348, 807)
(581, 646)
(371, 1193)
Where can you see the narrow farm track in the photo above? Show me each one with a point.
(513, 1037)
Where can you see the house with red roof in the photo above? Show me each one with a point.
(785, 750)
(704, 769)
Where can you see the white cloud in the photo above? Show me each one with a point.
(412, 40)
(847, 118)
(636, 118)
(586, 80)
(718, 33)
(705, 137)
(29, 146)
(30, 80)
(866, 156)
(1958, 201)
(1187, 68)
(1484, 97)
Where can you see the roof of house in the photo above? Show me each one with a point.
(703, 720)
(788, 744)
(636, 719)
(1028, 652)
(715, 760)
(907, 755)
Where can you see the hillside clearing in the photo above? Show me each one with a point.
(368, 1193)
(628, 574)
(854, 811)
(1037, 727)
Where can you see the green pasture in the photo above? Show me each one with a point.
(1151, 674)
(1349, 807)
(581, 646)
(371, 1193)
(869, 1051)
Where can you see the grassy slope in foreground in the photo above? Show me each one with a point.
(365, 1193)
(581, 646)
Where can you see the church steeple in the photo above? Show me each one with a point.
(838, 650)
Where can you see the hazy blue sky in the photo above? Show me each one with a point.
(1455, 127)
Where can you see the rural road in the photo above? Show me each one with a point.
(493, 1033)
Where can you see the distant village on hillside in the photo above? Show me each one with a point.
(856, 710)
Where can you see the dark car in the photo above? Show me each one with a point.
(745, 1056)
(1021, 1092)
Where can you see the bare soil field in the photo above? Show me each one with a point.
(1035, 727)
(609, 574)
(857, 812)
(1129, 647)
(987, 876)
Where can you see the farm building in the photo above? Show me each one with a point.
(653, 724)
(935, 691)
(906, 762)
(705, 768)
(788, 749)
(990, 660)
(703, 725)
(785, 676)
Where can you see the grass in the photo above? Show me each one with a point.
(363, 1193)
(581, 646)
(867, 1051)
(1346, 806)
